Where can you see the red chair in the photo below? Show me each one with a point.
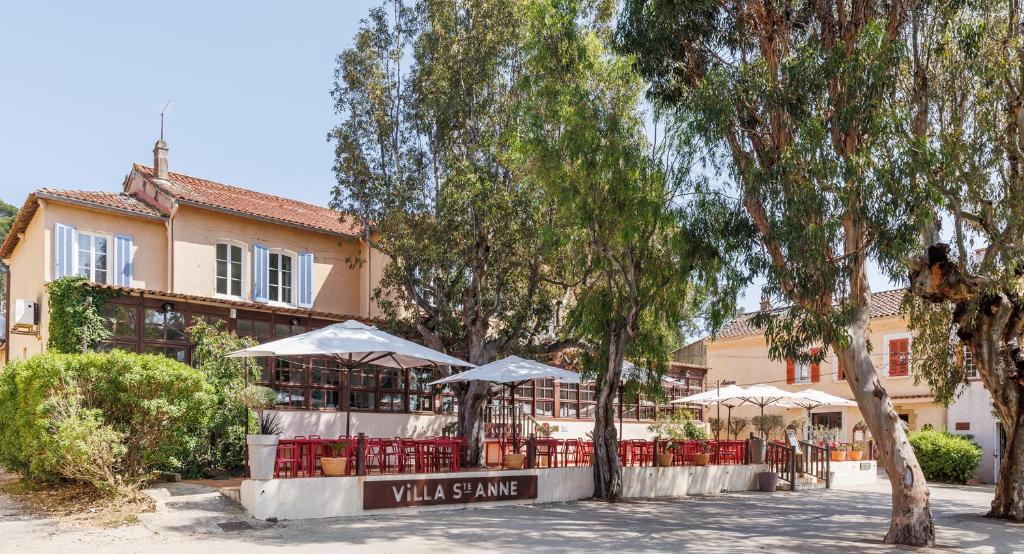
(586, 453)
(571, 452)
(289, 456)
(641, 452)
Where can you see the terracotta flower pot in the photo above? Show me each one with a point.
(855, 455)
(334, 467)
(665, 459)
(701, 459)
(515, 461)
(838, 455)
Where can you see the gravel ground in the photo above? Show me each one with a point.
(187, 517)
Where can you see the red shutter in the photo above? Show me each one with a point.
(815, 367)
(790, 372)
(899, 357)
(840, 372)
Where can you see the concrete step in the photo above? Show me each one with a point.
(234, 493)
(800, 487)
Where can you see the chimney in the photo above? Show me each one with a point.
(160, 159)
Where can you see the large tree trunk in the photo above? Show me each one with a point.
(607, 465)
(993, 333)
(471, 421)
(911, 522)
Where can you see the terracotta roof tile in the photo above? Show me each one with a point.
(219, 196)
(883, 304)
(115, 200)
(118, 201)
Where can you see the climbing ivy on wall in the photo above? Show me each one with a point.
(74, 319)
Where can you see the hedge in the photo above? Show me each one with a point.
(104, 418)
(944, 456)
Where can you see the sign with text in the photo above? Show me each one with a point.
(401, 493)
(791, 438)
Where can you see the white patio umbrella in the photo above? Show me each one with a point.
(511, 372)
(810, 398)
(354, 345)
(729, 396)
(767, 395)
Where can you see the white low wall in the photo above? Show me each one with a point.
(320, 497)
(852, 474)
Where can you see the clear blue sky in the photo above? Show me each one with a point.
(82, 84)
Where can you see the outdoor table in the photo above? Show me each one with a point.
(548, 449)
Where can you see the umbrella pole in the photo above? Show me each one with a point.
(622, 408)
(809, 424)
(718, 434)
(728, 426)
(348, 409)
(515, 419)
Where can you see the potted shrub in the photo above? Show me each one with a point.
(856, 452)
(515, 460)
(336, 464)
(667, 458)
(262, 445)
(703, 455)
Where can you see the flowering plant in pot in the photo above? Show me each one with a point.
(336, 464)
(703, 455)
(856, 452)
(262, 444)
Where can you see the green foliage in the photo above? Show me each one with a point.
(257, 398)
(767, 424)
(717, 425)
(75, 319)
(737, 425)
(799, 424)
(126, 413)
(221, 443)
(945, 456)
(428, 105)
(645, 253)
(8, 214)
(677, 425)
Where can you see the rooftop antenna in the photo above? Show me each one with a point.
(162, 118)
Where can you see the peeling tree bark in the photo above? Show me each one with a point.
(607, 465)
(993, 334)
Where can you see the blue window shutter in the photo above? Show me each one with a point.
(63, 250)
(306, 279)
(122, 260)
(260, 273)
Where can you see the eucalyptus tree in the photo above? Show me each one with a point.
(971, 157)
(427, 102)
(798, 98)
(631, 210)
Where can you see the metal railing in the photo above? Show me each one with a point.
(781, 459)
(817, 461)
(498, 421)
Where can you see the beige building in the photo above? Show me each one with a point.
(739, 354)
(179, 247)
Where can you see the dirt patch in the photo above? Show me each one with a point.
(80, 505)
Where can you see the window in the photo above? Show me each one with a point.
(280, 278)
(588, 401)
(421, 396)
(803, 373)
(545, 397)
(325, 382)
(392, 389)
(120, 321)
(568, 400)
(229, 269)
(92, 260)
(968, 361)
(830, 420)
(899, 357)
(364, 384)
(163, 325)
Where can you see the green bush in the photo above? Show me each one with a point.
(220, 446)
(944, 456)
(120, 414)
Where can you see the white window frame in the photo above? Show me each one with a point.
(294, 273)
(965, 353)
(798, 369)
(910, 349)
(245, 269)
(92, 253)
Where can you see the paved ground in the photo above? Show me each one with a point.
(851, 520)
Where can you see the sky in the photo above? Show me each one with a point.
(82, 85)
